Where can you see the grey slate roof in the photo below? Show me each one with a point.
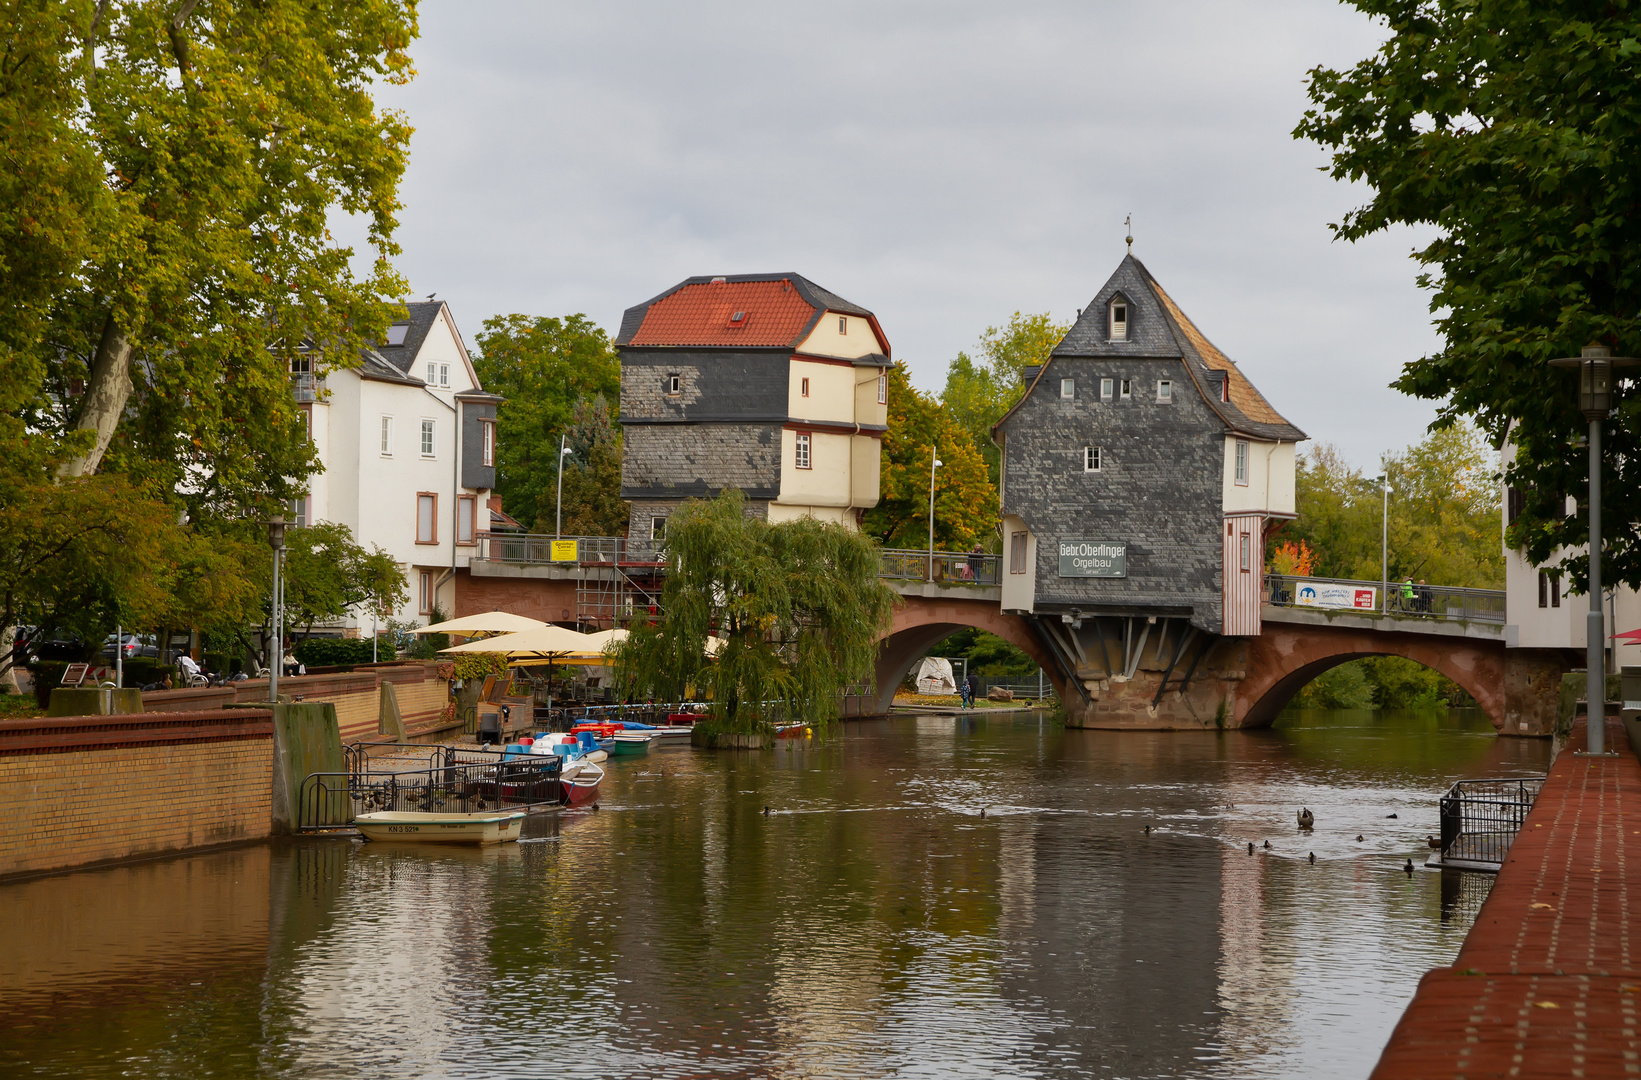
(1157, 328)
(421, 316)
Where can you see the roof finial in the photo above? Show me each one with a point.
(1128, 223)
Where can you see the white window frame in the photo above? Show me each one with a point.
(1240, 469)
(658, 529)
(803, 387)
(387, 436)
(1093, 459)
(1111, 321)
(1068, 389)
(424, 592)
(430, 437)
(298, 509)
(843, 324)
(1125, 389)
(675, 384)
(1246, 557)
(801, 458)
(444, 375)
(488, 442)
(1108, 389)
(1165, 391)
(432, 373)
(1017, 553)
(883, 389)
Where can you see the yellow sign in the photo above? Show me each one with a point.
(564, 551)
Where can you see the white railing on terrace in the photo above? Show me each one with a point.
(1403, 600)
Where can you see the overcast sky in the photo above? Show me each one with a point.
(943, 164)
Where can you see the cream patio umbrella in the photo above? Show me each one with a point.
(547, 644)
(484, 623)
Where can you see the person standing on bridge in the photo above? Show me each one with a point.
(1407, 596)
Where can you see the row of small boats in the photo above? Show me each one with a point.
(580, 771)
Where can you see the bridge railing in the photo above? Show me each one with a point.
(947, 567)
(1403, 600)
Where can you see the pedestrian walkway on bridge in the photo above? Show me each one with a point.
(1548, 982)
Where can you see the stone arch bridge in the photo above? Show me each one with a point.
(1161, 673)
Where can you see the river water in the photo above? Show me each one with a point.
(873, 923)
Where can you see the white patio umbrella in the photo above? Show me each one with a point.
(487, 622)
(546, 643)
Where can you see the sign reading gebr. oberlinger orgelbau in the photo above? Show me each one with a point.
(1093, 558)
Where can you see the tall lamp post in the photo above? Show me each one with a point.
(276, 540)
(1595, 401)
(934, 463)
(1384, 548)
(558, 525)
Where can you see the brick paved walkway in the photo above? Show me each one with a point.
(1548, 981)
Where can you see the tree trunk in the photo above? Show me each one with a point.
(8, 677)
(106, 393)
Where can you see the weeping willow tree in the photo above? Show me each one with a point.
(797, 609)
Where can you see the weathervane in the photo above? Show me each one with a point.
(1128, 223)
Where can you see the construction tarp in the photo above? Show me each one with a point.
(934, 676)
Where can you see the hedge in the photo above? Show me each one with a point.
(331, 652)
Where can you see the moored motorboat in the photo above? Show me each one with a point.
(483, 827)
(632, 743)
(579, 781)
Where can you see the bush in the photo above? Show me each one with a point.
(334, 652)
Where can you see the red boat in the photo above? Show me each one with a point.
(578, 782)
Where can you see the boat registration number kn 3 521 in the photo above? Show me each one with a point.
(418, 828)
(1093, 558)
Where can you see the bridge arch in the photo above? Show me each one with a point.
(921, 623)
(1284, 658)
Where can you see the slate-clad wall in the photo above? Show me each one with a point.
(678, 461)
(475, 473)
(1159, 488)
(719, 384)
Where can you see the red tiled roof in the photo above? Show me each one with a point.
(700, 314)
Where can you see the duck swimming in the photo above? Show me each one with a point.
(1313, 858)
(1409, 868)
(1307, 819)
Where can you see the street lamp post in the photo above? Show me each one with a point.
(276, 540)
(1595, 401)
(934, 463)
(558, 526)
(1384, 549)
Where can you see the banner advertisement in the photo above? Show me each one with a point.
(1094, 558)
(1324, 594)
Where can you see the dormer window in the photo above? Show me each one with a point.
(675, 385)
(1119, 319)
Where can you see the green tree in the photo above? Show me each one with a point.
(1514, 128)
(204, 146)
(797, 609)
(592, 475)
(965, 497)
(978, 393)
(1444, 513)
(544, 367)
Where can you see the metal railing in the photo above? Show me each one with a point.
(538, 548)
(947, 567)
(1480, 820)
(463, 781)
(306, 386)
(1404, 600)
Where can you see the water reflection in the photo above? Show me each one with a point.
(875, 922)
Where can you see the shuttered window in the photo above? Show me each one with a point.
(427, 518)
(1119, 320)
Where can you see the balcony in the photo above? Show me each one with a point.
(306, 386)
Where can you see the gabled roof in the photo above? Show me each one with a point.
(777, 311)
(1158, 329)
(421, 316)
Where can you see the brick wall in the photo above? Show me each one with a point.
(88, 789)
(421, 689)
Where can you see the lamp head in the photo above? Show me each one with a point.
(276, 532)
(1595, 378)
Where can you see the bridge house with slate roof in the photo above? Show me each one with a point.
(763, 382)
(1141, 474)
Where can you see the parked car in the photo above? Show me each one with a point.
(131, 645)
(38, 646)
